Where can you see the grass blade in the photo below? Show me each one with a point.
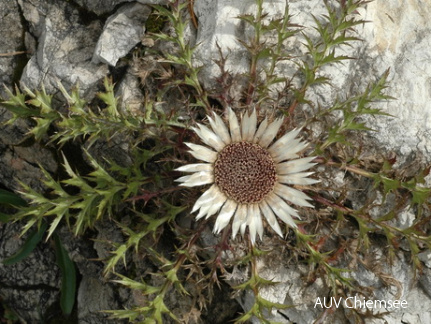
(68, 277)
(30, 244)
(10, 198)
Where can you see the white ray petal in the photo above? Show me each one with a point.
(196, 179)
(206, 197)
(270, 132)
(224, 216)
(289, 149)
(259, 223)
(235, 130)
(202, 153)
(244, 126)
(294, 196)
(294, 166)
(202, 212)
(299, 178)
(252, 223)
(253, 124)
(290, 152)
(240, 218)
(243, 227)
(282, 209)
(196, 167)
(248, 126)
(220, 128)
(270, 217)
(255, 225)
(284, 141)
(216, 204)
(260, 131)
(209, 138)
(183, 178)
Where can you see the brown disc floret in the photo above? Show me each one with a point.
(245, 172)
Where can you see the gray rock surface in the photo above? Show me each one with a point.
(132, 98)
(12, 56)
(32, 285)
(94, 297)
(103, 7)
(399, 38)
(121, 33)
(65, 47)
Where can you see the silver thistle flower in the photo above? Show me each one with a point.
(249, 175)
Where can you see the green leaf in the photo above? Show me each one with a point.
(68, 277)
(420, 195)
(389, 216)
(119, 254)
(10, 198)
(248, 18)
(41, 100)
(42, 125)
(132, 284)
(30, 244)
(264, 53)
(129, 314)
(358, 126)
(109, 98)
(389, 184)
(5, 218)
(331, 58)
(16, 105)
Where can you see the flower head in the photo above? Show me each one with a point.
(250, 175)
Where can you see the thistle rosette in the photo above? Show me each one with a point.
(250, 174)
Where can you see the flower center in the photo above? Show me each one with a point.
(245, 172)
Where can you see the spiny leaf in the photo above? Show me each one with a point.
(420, 195)
(389, 185)
(109, 98)
(17, 105)
(119, 254)
(331, 58)
(129, 314)
(132, 284)
(41, 100)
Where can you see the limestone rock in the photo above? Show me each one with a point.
(12, 52)
(102, 7)
(93, 298)
(31, 285)
(121, 33)
(132, 98)
(398, 37)
(65, 47)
